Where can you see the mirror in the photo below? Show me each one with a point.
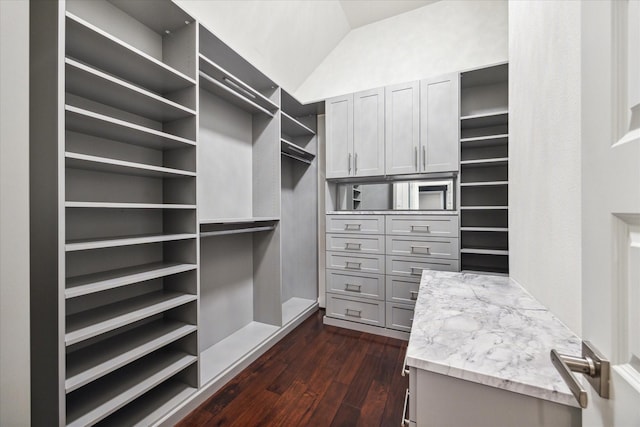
(427, 195)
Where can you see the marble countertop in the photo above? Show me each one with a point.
(392, 212)
(489, 330)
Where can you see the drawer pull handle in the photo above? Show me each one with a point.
(420, 228)
(405, 420)
(416, 271)
(353, 246)
(426, 250)
(414, 295)
(405, 368)
(352, 287)
(353, 227)
(353, 313)
(352, 264)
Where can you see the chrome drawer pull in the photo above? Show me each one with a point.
(420, 228)
(352, 264)
(420, 250)
(352, 287)
(414, 295)
(405, 368)
(416, 271)
(353, 246)
(353, 313)
(405, 420)
(353, 227)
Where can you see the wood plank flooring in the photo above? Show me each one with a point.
(316, 376)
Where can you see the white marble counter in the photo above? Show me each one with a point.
(489, 330)
(392, 212)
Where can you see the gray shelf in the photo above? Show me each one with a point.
(293, 127)
(484, 120)
(91, 45)
(103, 164)
(481, 251)
(480, 163)
(91, 323)
(90, 123)
(90, 363)
(89, 244)
(484, 208)
(87, 82)
(97, 282)
(223, 227)
(483, 183)
(489, 229)
(105, 396)
(110, 205)
(296, 152)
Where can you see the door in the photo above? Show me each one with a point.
(368, 133)
(339, 122)
(402, 128)
(440, 124)
(611, 203)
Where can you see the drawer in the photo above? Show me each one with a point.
(363, 243)
(413, 266)
(359, 224)
(356, 262)
(356, 309)
(436, 247)
(399, 316)
(402, 289)
(424, 225)
(359, 284)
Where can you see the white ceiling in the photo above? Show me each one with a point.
(363, 12)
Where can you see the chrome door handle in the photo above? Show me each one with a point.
(405, 368)
(405, 420)
(415, 156)
(355, 164)
(349, 164)
(424, 158)
(592, 364)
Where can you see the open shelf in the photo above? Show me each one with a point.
(91, 323)
(293, 127)
(484, 120)
(489, 229)
(93, 362)
(97, 282)
(89, 83)
(222, 227)
(479, 163)
(90, 44)
(295, 306)
(484, 208)
(296, 152)
(109, 205)
(90, 123)
(486, 140)
(103, 164)
(484, 251)
(215, 360)
(105, 396)
(84, 245)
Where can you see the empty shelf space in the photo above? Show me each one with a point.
(484, 120)
(100, 49)
(148, 409)
(91, 323)
(98, 282)
(484, 251)
(489, 229)
(294, 307)
(221, 356)
(90, 123)
(221, 227)
(83, 245)
(105, 396)
(293, 127)
(296, 152)
(104, 164)
(87, 82)
(93, 362)
(109, 205)
(483, 184)
(498, 161)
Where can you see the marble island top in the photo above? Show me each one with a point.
(489, 330)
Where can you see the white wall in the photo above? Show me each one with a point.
(544, 167)
(14, 214)
(286, 40)
(435, 39)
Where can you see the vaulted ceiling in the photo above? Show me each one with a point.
(363, 12)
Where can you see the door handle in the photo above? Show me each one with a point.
(592, 364)
(424, 158)
(415, 156)
(349, 164)
(355, 164)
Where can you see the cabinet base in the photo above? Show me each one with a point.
(376, 330)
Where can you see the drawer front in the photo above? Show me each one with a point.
(402, 289)
(364, 243)
(427, 225)
(359, 224)
(413, 266)
(360, 285)
(356, 262)
(436, 247)
(399, 316)
(356, 309)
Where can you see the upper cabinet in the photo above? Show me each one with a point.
(355, 134)
(402, 128)
(439, 124)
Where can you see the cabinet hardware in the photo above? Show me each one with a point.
(353, 227)
(420, 250)
(405, 368)
(416, 271)
(355, 164)
(352, 287)
(420, 228)
(414, 295)
(353, 313)
(592, 364)
(424, 158)
(352, 264)
(353, 246)
(415, 156)
(405, 420)
(349, 164)
(238, 87)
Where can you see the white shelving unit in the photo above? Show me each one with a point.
(484, 161)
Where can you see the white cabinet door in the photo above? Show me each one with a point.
(402, 128)
(368, 133)
(440, 124)
(339, 122)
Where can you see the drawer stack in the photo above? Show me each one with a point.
(374, 264)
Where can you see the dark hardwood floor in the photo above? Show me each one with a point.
(316, 376)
